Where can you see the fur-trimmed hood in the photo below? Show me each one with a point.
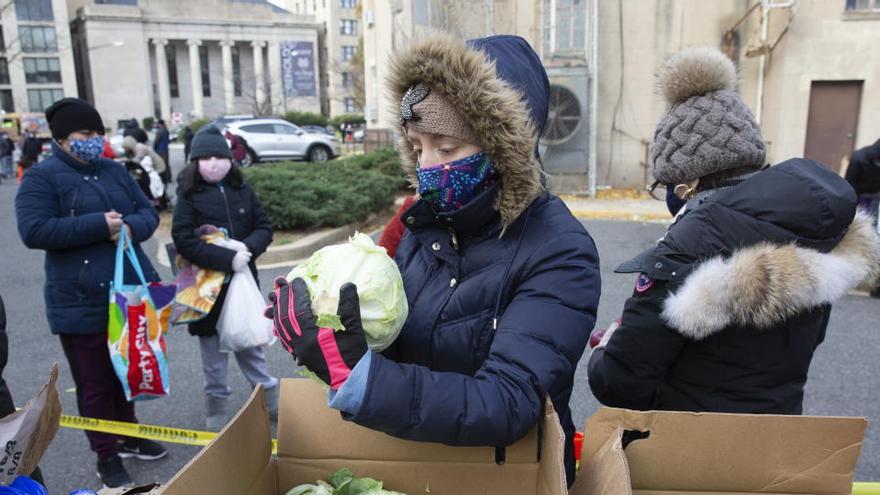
(783, 241)
(762, 286)
(500, 87)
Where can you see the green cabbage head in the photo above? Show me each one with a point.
(380, 288)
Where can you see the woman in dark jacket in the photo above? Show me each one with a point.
(73, 205)
(502, 281)
(213, 192)
(731, 304)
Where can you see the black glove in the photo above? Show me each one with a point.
(329, 354)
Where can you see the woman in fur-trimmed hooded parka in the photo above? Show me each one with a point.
(502, 281)
(731, 304)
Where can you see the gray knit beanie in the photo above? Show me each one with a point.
(209, 142)
(707, 128)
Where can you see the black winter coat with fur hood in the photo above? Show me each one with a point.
(732, 303)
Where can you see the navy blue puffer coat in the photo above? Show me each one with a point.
(60, 208)
(503, 292)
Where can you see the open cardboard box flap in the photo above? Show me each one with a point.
(314, 442)
(710, 453)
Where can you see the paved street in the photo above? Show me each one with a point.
(845, 378)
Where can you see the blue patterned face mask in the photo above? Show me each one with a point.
(449, 186)
(87, 150)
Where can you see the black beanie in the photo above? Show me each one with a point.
(209, 142)
(69, 115)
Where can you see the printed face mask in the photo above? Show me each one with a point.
(88, 150)
(213, 170)
(449, 186)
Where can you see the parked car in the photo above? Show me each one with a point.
(222, 122)
(278, 139)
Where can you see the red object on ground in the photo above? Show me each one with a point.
(394, 228)
(578, 445)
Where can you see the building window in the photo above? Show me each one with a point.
(42, 70)
(4, 71)
(2, 41)
(564, 27)
(40, 99)
(6, 100)
(347, 4)
(863, 5)
(171, 59)
(34, 10)
(236, 70)
(346, 79)
(347, 52)
(348, 27)
(350, 105)
(37, 39)
(206, 71)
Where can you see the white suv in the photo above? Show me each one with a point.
(278, 139)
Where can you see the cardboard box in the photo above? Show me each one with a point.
(654, 453)
(313, 442)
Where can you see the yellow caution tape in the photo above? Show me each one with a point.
(862, 488)
(150, 432)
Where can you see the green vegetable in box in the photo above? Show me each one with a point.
(342, 482)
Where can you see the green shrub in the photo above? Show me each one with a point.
(305, 118)
(197, 124)
(148, 122)
(335, 193)
(346, 118)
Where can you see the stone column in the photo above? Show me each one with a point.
(162, 78)
(259, 77)
(195, 74)
(276, 89)
(228, 84)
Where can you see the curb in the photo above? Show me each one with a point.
(621, 216)
(303, 248)
(289, 255)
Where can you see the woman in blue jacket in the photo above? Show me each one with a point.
(502, 281)
(73, 205)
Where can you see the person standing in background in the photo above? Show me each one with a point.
(863, 174)
(73, 205)
(7, 406)
(6, 149)
(187, 142)
(31, 147)
(212, 191)
(160, 145)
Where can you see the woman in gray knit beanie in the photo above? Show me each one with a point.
(706, 133)
(731, 304)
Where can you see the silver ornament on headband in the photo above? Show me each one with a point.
(413, 96)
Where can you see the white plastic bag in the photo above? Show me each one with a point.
(157, 187)
(241, 324)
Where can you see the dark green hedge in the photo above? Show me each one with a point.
(305, 118)
(334, 193)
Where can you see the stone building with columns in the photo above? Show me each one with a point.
(193, 59)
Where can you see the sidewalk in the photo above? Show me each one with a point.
(614, 207)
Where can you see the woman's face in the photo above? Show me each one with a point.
(435, 149)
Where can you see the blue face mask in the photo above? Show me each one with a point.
(673, 202)
(449, 186)
(88, 150)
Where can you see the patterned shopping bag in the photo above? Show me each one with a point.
(138, 321)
